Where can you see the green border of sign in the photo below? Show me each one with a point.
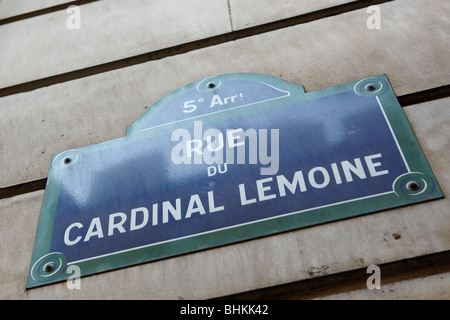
(400, 196)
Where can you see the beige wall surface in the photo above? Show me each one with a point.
(250, 13)
(11, 8)
(434, 287)
(411, 48)
(110, 30)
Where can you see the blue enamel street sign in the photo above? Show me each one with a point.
(226, 159)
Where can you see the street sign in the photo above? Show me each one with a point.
(223, 160)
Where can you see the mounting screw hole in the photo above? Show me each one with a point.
(371, 87)
(49, 267)
(211, 85)
(67, 160)
(413, 186)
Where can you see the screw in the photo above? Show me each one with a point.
(49, 267)
(371, 87)
(413, 186)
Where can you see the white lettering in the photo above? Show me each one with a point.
(265, 189)
(191, 310)
(374, 281)
(119, 225)
(297, 180)
(312, 178)
(69, 242)
(214, 149)
(211, 171)
(211, 204)
(155, 214)
(337, 176)
(374, 21)
(175, 212)
(74, 21)
(133, 225)
(264, 157)
(74, 280)
(195, 206)
(371, 165)
(180, 153)
(262, 190)
(209, 147)
(243, 196)
(189, 106)
(216, 100)
(197, 147)
(231, 138)
(357, 169)
(95, 229)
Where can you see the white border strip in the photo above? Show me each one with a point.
(393, 135)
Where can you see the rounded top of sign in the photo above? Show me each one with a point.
(213, 95)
